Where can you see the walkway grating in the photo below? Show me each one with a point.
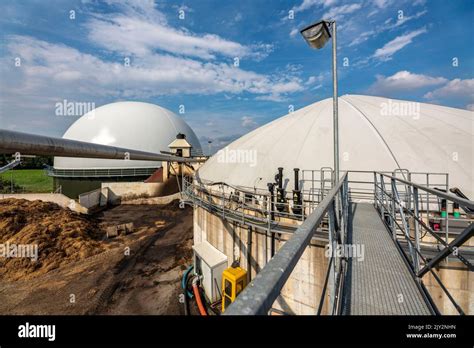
(381, 283)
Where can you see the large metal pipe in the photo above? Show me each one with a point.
(32, 144)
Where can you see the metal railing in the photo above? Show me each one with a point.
(251, 204)
(99, 173)
(362, 182)
(9, 165)
(259, 296)
(239, 205)
(407, 222)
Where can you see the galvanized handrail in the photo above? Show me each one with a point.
(100, 173)
(390, 204)
(258, 297)
(196, 190)
(10, 165)
(449, 196)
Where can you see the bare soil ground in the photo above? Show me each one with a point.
(61, 235)
(138, 273)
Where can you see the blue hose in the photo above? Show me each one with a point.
(184, 281)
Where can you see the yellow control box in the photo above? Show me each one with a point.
(234, 280)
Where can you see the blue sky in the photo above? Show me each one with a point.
(415, 50)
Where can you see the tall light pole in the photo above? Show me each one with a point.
(316, 35)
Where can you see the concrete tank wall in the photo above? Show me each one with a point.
(460, 284)
(94, 199)
(123, 191)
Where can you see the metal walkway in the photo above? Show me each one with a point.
(381, 283)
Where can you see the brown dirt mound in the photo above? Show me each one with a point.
(62, 236)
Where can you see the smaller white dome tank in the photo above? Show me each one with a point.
(133, 125)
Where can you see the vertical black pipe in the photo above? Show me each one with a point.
(456, 210)
(280, 197)
(297, 204)
(280, 177)
(444, 210)
(272, 214)
(297, 179)
(272, 200)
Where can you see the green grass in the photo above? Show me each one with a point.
(30, 180)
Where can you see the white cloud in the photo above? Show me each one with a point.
(163, 61)
(271, 97)
(313, 79)
(419, 2)
(363, 34)
(382, 3)
(294, 32)
(457, 88)
(307, 4)
(373, 12)
(238, 17)
(405, 19)
(403, 81)
(135, 36)
(248, 122)
(395, 45)
(184, 8)
(139, 29)
(141, 8)
(362, 37)
(339, 11)
(50, 68)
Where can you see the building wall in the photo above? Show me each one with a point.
(73, 187)
(301, 293)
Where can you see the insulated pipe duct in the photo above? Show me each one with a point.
(31, 144)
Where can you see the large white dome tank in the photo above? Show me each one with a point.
(435, 139)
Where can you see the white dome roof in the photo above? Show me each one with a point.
(133, 125)
(440, 139)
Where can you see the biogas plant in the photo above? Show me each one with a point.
(275, 228)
